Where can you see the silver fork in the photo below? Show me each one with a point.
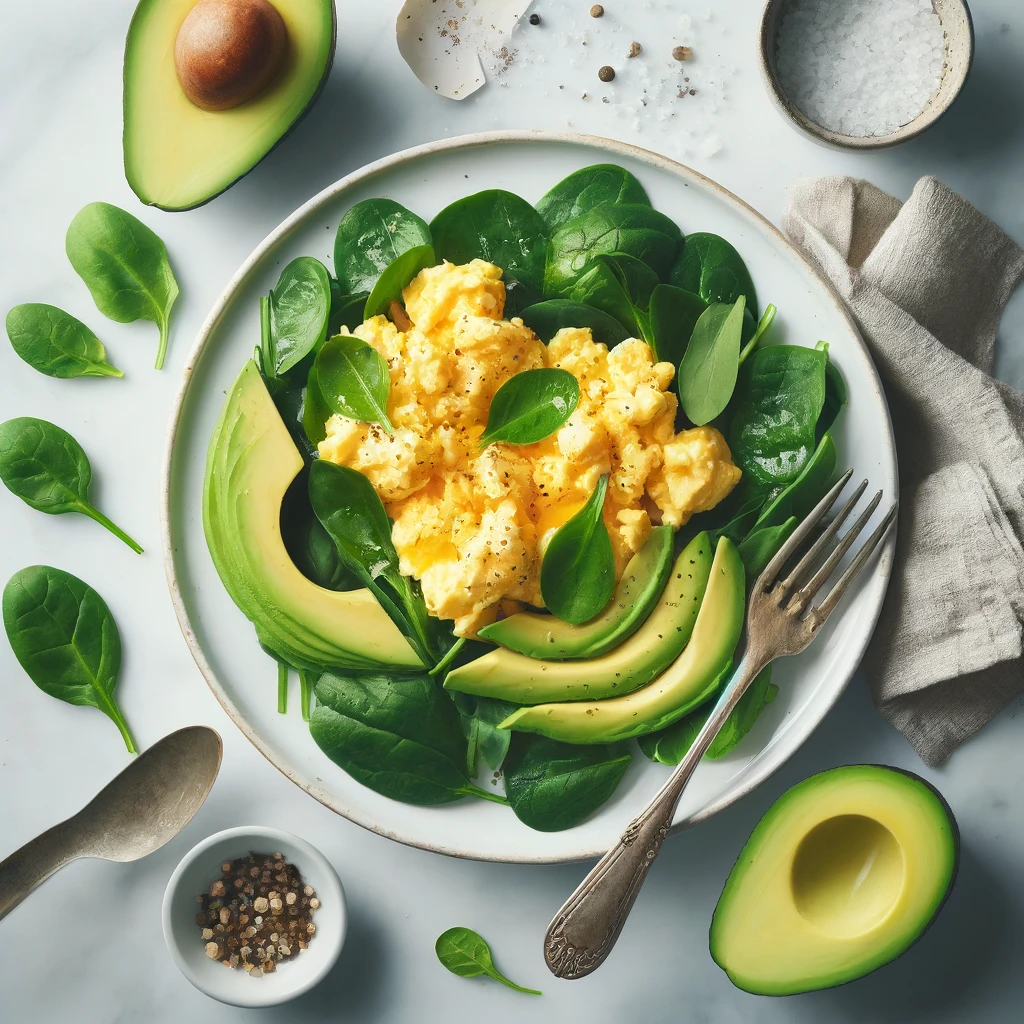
(780, 621)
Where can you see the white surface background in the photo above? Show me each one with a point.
(87, 946)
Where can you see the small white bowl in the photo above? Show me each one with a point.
(200, 867)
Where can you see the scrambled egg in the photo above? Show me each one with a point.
(472, 524)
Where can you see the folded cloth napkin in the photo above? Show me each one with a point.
(926, 282)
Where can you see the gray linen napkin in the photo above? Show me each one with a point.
(926, 282)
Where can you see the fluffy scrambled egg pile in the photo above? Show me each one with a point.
(472, 524)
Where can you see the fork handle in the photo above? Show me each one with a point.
(584, 931)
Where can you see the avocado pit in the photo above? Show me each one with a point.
(228, 51)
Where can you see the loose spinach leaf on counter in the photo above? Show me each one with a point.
(64, 637)
(553, 786)
(465, 953)
(351, 511)
(707, 373)
(498, 227)
(346, 310)
(49, 470)
(709, 266)
(124, 265)
(531, 406)
(767, 318)
(298, 310)
(547, 318)
(353, 380)
(398, 735)
(56, 343)
(395, 277)
(371, 236)
(629, 228)
(673, 314)
(577, 574)
(586, 188)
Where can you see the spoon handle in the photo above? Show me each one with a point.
(33, 863)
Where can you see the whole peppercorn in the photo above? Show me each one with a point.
(597, 11)
(682, 53)
(534, 19)
(635, 49)
(607, 73)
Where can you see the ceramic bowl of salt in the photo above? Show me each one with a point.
(865, 74)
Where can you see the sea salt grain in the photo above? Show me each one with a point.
(860, 67)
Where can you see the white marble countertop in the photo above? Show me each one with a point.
(87, 945)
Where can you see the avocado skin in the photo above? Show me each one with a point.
(953, 873)
(140, 12)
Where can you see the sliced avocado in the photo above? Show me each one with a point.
(178, 155)
(684, 685)
(633, 664)
(250, 464)
(842, 875)
(545, 636)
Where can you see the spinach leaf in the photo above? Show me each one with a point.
(353, 380)
(124, 265)
(531, 406)
(48, 469)
(553, 786)
(56, 343)
(481, 717)
(395, 277)
(498, 227)
(621, 286)
(577, 575)
(586, 188)
(400, 736)
(835, 394)
(307, 681)
(315, 410)
(707, 373)
(629, 228)
(759, 547)
(673, 315)
(371, 236)
(65, 638)
(346, 311)
(711, 267)
(518, 297)
(289, 396)
(547, 318)
(299, 306)
(750, 344)
(779, 398)
(798, 498)
(353, 514)
(465, 953)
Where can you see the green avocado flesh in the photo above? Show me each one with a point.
(843, 874)
(177, 155)
(250, 464)
(633, 664)
(642, 583)
(689, 681)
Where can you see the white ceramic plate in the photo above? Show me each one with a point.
(425, 180)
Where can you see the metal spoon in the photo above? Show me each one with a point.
(145, 806)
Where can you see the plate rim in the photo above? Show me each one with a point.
(281, 231)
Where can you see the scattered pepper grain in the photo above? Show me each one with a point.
(607, 73)
(597, 11)
(682, 53)
(534, 19)
(635, 49)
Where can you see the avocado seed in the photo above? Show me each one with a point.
(227, 51)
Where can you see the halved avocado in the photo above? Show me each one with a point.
(843, 874)
(689, 681)
(250, 464)
(545, 636)
(177, 155)
(635, 663)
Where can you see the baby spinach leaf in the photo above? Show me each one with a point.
(64, 637)
(767, 318)
(518, 296)
(621, 286)
(798, 498)
(299, 306)
(531, 406)
(835, 394)
(315, 410)
(577, 575)
(395, 277)
(481, 717)
(465, 953)
(398, 735)
(589, 187)
(353, 380)
(779, 399)
(353, 514)
(707, 373)
(346, 311)
(124, 265)
(495, 226)
(673, 314)
(56, 343)
(553, 786)
(628, 228)
(711, 267)
(371, 236)
(547, 318)
(759, 547)
(48, 469)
